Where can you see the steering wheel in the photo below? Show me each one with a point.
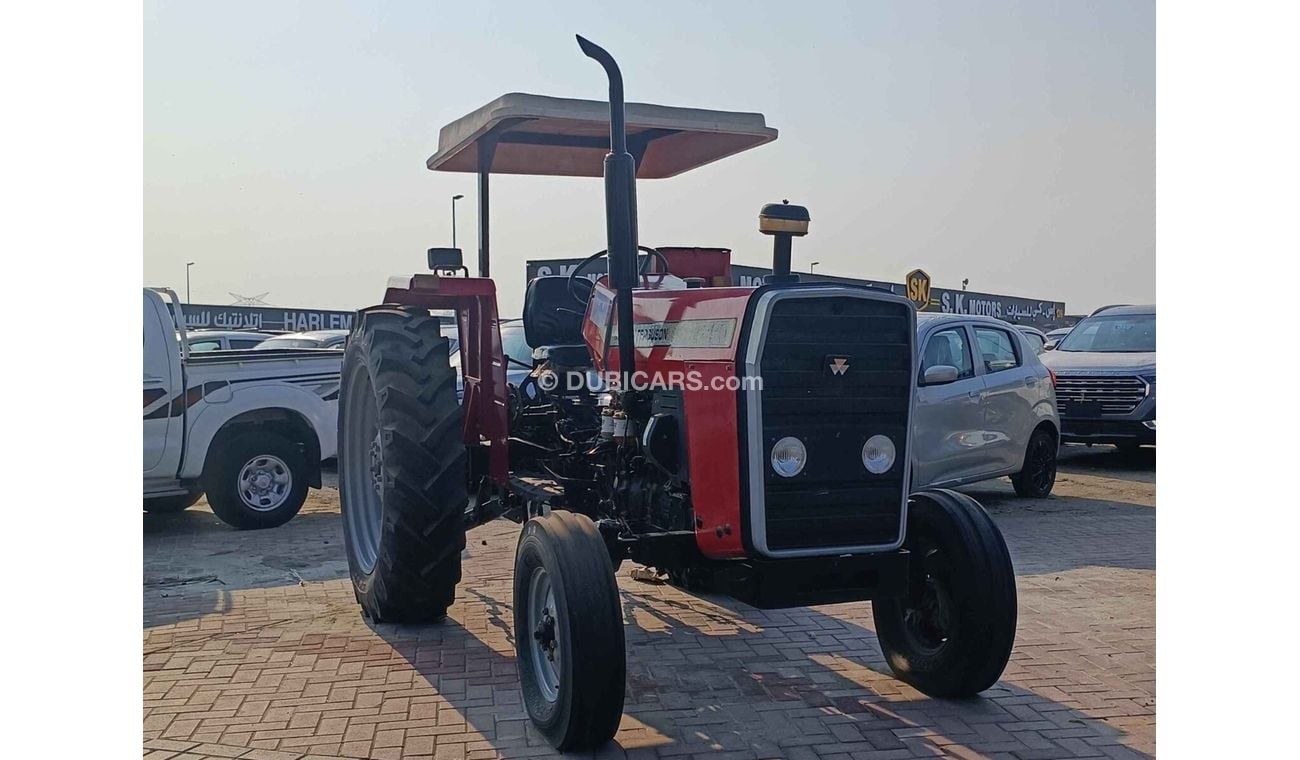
(641, 270)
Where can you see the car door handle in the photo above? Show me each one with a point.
(975, 395)
(1031, 381)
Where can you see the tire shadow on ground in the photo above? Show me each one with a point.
(710, 674)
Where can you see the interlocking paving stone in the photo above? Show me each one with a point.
(264, 653)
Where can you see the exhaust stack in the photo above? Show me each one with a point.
(620, 210)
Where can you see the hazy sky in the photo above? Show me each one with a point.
(1012, 143)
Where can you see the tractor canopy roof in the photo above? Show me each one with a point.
(534, 134)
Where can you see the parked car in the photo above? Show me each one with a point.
(1054, 337)
(248, 429)
(1037, 338)
(985, 407)
(519, 355)
(313, 339)
(201, 341)
(1106, 378)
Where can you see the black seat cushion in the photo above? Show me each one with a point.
(551, 315)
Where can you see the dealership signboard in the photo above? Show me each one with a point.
(1040, 313)
(269, 318)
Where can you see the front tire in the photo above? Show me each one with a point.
(1038, 475)
(259, 480)
(402, 466)
(569, 631)
(951, 636)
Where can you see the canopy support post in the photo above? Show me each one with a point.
(487, 148)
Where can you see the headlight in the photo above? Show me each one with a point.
(878, 454)
(789, 456)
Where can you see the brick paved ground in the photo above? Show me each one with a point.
(254, 648)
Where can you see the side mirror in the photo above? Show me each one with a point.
(940, 374)
(445, 258)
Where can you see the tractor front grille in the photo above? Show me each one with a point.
(1095, 395)
(836, 366)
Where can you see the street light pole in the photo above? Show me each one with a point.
(187, 281)
(454, 198)
(813, 267)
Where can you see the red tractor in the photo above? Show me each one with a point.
(752, 441)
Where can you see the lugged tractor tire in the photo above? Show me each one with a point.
(562, 570)
(402, 466)
(951, 636)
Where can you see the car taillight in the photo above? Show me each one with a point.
(1052, 375)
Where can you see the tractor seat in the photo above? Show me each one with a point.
(552, 317)
(553, 321)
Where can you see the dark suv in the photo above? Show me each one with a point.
(1106, 378)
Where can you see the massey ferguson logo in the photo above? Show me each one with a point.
(838, 365)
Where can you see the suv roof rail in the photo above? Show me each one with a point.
(1099, 310)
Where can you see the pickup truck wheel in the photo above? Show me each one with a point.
(951, 635)
(170, 504)
(259, 480)
(402, 466)
(569, 631)
(1038, 474)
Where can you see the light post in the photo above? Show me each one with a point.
(187, 281)
(454, 198)
(813, 267)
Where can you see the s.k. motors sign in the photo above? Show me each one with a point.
(1043, 314)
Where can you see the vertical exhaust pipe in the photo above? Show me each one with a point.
(620, 210)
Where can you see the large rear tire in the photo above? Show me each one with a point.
(569, 631)
(951, 636)
(402, 466)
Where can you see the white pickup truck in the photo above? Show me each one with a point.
(249, 428)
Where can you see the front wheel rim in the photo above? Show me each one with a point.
(264, 483)
(928, 612)
(544, 639)
(1044, 472)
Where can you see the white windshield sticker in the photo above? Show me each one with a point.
(688, 333)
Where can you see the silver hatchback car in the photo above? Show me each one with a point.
(985, 406)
